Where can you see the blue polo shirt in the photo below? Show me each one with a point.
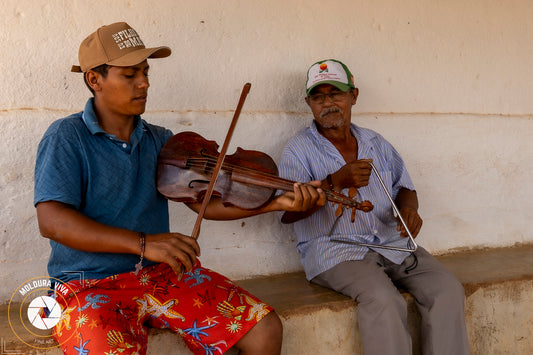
(106, 179)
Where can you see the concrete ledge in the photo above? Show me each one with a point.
(499, 309)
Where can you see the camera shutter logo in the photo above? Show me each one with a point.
(44, 312)
(34, 309)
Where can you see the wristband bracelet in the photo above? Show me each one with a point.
(142, 243)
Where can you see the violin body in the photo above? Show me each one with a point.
(185, 167)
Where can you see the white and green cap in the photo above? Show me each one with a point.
(329, 71)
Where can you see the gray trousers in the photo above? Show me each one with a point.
(382, 310)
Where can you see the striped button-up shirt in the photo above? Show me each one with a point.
(310, 156)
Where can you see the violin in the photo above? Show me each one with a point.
(248, 179)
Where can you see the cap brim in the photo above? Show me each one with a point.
(341, 86)
(132, 58)
(140, 55)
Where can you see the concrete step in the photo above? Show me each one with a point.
(499, 310)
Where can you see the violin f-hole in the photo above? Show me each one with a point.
(206, 182)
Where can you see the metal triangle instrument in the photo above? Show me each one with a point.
(397, 211)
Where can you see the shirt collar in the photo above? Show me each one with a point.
(91, 121)
(363, 136)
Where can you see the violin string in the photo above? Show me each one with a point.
(201, 163)
(209, 162)
(331, 196)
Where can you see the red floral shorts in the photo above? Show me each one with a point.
(111, 315)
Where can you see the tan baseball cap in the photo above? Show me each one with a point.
(118, 45)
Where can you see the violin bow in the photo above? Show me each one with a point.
(196, 230)
(207, 196)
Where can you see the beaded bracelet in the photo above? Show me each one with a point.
(142, 242)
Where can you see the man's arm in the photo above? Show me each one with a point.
(294, 216)
(63, 224)
(407, 203)
(354, 174)
(304, 197)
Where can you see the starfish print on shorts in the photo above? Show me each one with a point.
(206, 298)
(232, 291)
(157, 309)
(257, 310)
(93, 301)
(197, 276)
(64, 320)
(196, 331)
(211, 348)
(81, 349)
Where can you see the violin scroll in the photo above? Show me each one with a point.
(365, 206)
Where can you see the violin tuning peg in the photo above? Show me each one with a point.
(352, 192)
(339, 211)
(353, 215)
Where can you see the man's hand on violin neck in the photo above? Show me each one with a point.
(304, 197)
(172, 249)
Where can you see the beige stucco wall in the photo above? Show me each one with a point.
(447, 82)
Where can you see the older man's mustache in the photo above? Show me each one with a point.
(329, 110)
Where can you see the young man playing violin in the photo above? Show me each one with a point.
(340, 154)
(96, 200)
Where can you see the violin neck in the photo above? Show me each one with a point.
(275, 182)
(262, 179)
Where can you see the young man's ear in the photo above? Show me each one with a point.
(92, 80)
